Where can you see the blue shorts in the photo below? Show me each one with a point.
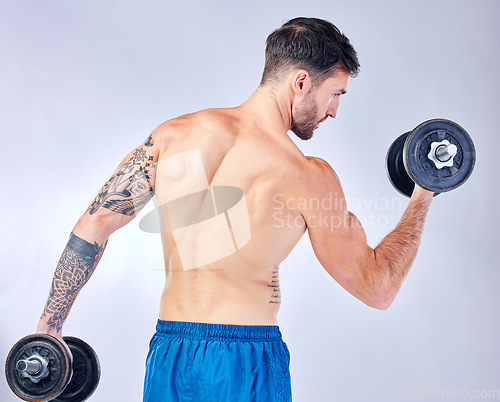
(197, 362)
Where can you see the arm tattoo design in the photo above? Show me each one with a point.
(131, 187)
(75, 267)
(149, 141)
(275, 286)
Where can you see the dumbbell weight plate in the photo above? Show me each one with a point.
(396, 169)
(423, 171)
(86, 372)
(49, 387)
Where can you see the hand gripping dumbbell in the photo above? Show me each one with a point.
(38, 368)
(438, 155)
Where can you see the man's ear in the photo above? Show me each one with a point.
(301, 82)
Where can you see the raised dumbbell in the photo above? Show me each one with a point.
(38, 368)
(438, 155)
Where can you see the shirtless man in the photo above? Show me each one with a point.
(217, 337)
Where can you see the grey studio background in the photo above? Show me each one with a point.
(84, 82)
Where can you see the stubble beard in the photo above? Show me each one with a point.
(304, 121)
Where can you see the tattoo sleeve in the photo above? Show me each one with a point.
(131, 186)
(127, 191)
(76, 265)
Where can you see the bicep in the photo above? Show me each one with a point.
(343, 252)
(338, 238)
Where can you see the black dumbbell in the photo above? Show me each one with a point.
(38, 368)
(438, 155)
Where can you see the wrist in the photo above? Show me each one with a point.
(421, 192)
(44, 328)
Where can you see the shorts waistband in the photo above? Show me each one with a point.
(224, 332)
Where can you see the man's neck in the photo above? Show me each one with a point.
(271, 109)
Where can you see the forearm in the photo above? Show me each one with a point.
(75, 267)
(394, 256)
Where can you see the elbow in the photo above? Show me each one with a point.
(96, 227)
(380, 299)
(382, 303)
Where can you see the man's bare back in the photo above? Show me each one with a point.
(236, 150)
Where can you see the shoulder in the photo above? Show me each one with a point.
(215, 120)
(205, 129)
(322, 183)
(320, 172)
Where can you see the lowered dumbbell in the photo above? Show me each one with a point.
(438, 155)
(38, 368)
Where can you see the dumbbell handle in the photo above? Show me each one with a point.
(32, 367)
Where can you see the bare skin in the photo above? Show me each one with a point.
(247, 147)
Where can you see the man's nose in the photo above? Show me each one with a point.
(332, 110)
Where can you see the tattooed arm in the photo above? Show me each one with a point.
(122, 197)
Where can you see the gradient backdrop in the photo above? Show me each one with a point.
(84, 82)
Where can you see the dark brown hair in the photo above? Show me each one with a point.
(312, 44)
